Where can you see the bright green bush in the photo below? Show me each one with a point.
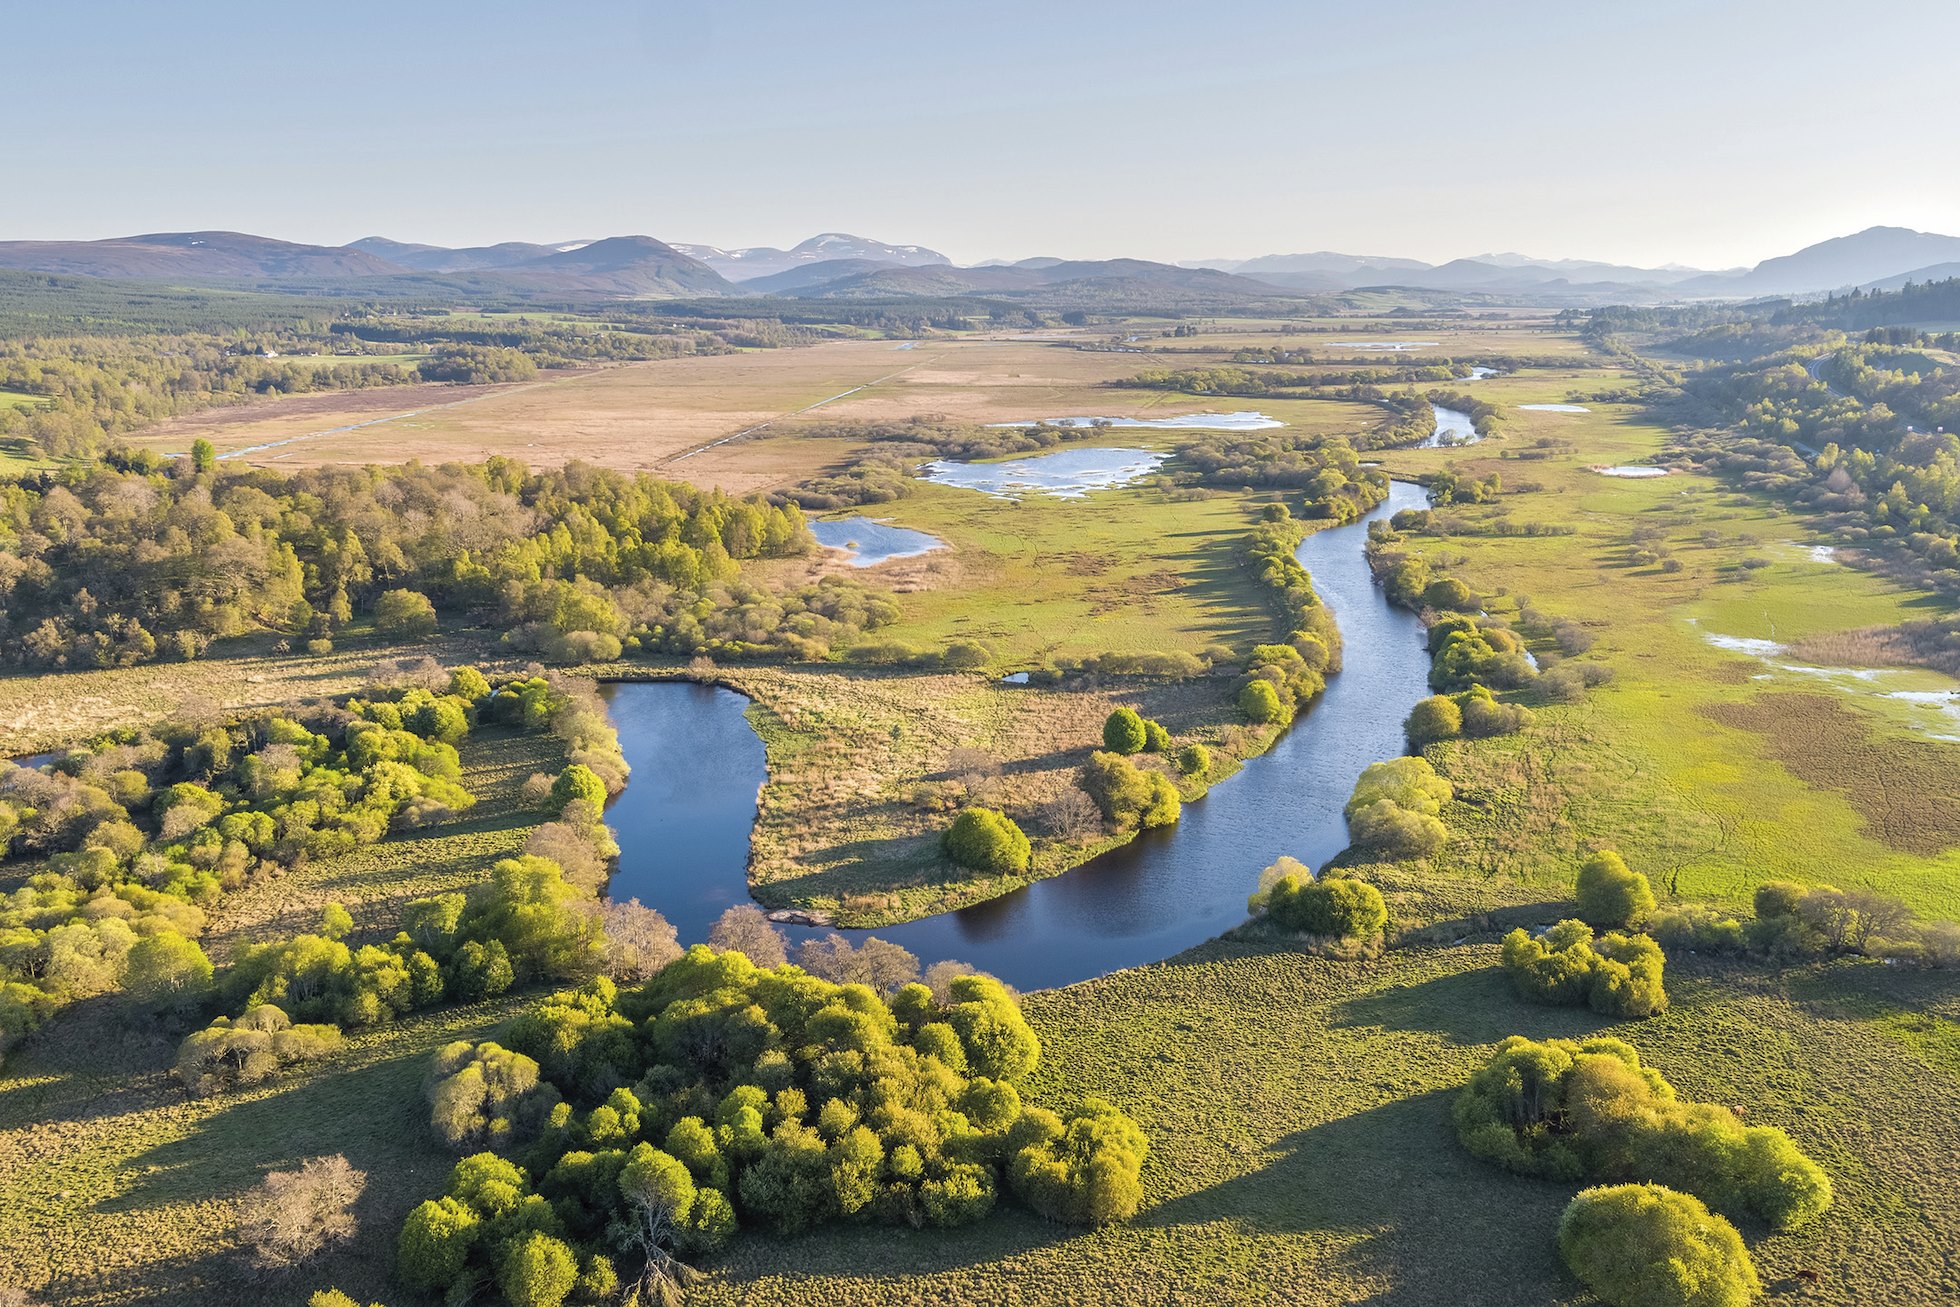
(404, 615)
(983, 839)
(1640, 1245)
(1335, 907)
(1082, 1170)
(578, 783)
(1592, 1110)
(1194, 760)
(1262, 705)
(1395, 809)
(1615, 975)
(1610, 893)
(1129, 795)
(1155, 738)
(1435, 718)
(1124, 731)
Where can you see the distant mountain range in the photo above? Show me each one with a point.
(1879, 254)
(836, 265)
(830, 247)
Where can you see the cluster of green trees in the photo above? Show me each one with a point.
(1396, 809)
(141, 830)
(1615, 974)
(476, 365)
(102, 359)
(1794, 922)
(1592, 1110)
(1618, 974)
(1328, 472)
(635, 1129)
(129, 559)
(89, 389)
(1466, 651)
(1474, 713)
(1856, 434)
(1130, 797)
(1333, 908)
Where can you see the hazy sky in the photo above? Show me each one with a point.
(1711, 132)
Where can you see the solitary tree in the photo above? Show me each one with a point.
(1610, 893)
(983, 839)
(1124, 732)
(404, 615)
(293, 1215)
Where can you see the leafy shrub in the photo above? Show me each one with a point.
(1641, 1245)
(1396, 806)
(249, 1051)
(1261, 704)
(1696, 929)
(1615, 975)
(1592, 1110)
(1124, 731)
(1194, 760)
(1609, 893)
(983, 839)
(1435, 718)
(578, 784)
(485, 1096)
(1129, 795)
(404, 615)
(1330, 906)
(1082, 1169)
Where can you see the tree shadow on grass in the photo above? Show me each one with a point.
(874, 866)
(1469, 1007)
(1433, 1224)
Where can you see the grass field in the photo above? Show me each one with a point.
(1695, 762)
(670, 416)
(39, 712)
(1041, 578)
(1302, 1153)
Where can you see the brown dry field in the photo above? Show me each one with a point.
(666, 416)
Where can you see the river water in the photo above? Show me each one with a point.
(684, 821)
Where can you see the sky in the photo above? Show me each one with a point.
(1706, 132)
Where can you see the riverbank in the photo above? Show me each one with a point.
(864, 770)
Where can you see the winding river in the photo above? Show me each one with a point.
(684, 821)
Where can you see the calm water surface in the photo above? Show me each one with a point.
(1065, 474)
(684, 820)
(870, 542)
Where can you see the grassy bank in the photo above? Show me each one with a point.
(1298, 1111)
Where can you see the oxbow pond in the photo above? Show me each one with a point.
(685, 818)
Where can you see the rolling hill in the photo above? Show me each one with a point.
(193, 256)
